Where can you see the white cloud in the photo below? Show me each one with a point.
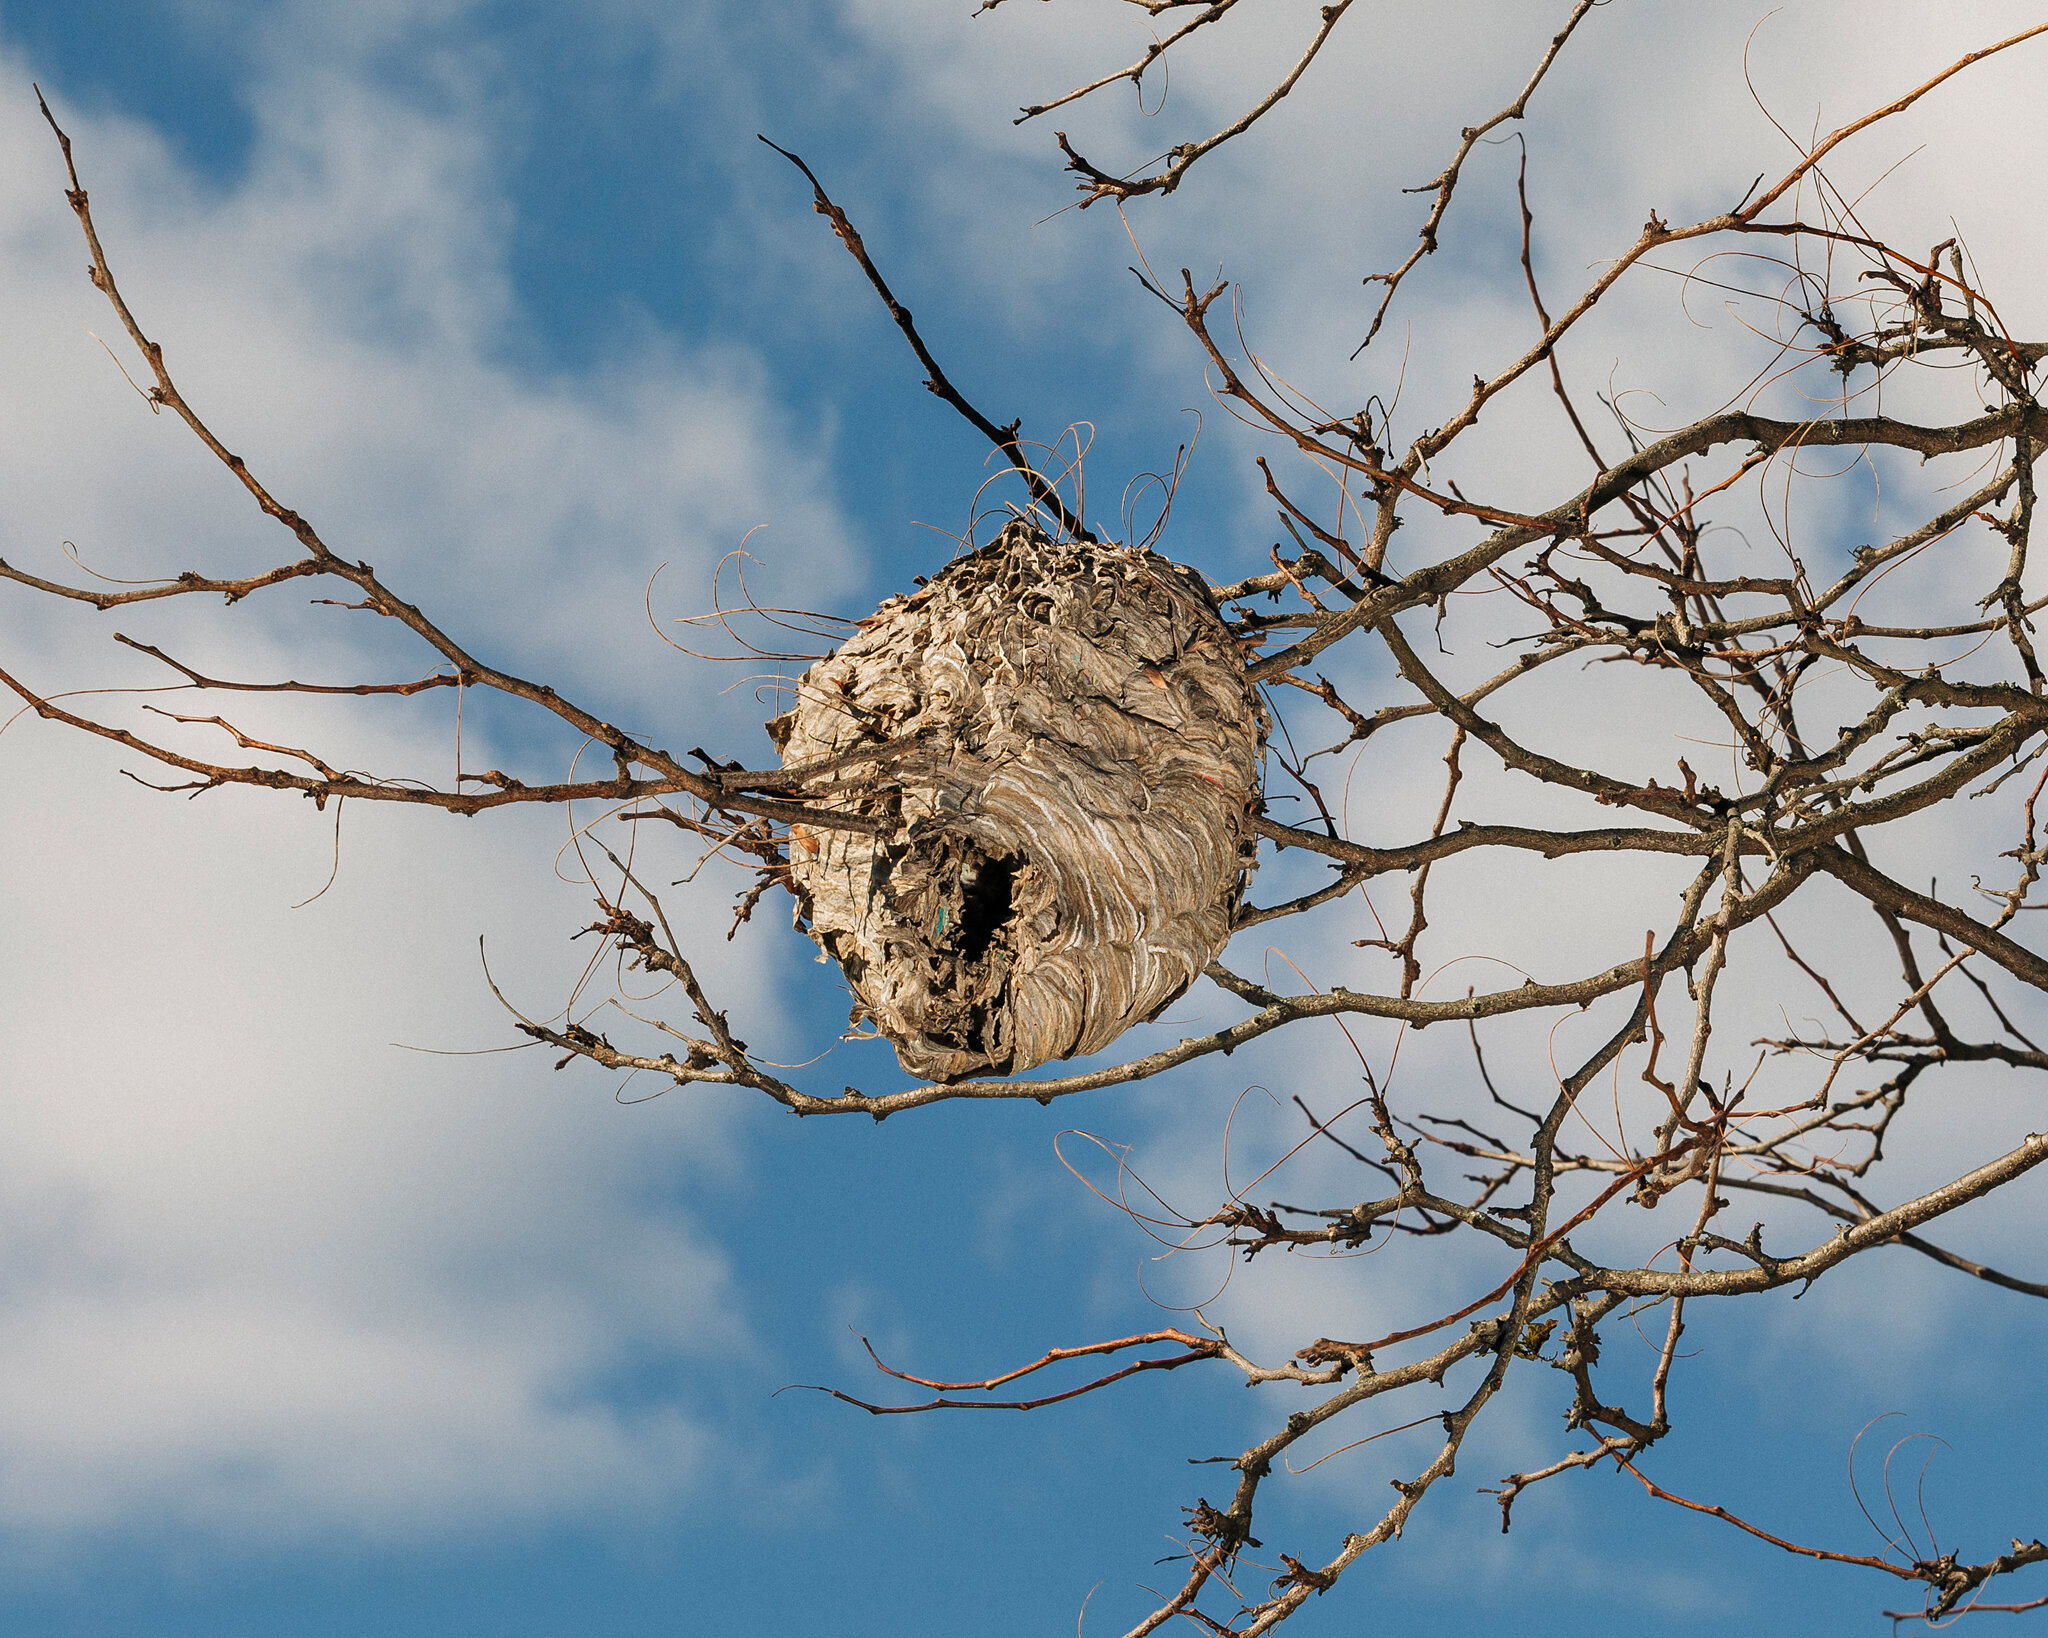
(262, 1272)
(265, 1274)
(1647, 109)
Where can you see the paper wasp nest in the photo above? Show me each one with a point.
(1069, 764)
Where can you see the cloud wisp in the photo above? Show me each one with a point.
(267, 1276)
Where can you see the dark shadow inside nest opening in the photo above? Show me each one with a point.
(986, 901)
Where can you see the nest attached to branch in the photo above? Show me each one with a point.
(1070, 761)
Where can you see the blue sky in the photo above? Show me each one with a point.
(306, 1333)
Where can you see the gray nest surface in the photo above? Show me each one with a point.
(1062, 747)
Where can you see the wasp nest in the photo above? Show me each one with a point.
(1066, 760)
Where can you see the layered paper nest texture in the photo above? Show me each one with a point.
(1066, 764)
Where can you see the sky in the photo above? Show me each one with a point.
(321, 1313)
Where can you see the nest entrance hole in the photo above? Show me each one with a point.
(966, 912)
